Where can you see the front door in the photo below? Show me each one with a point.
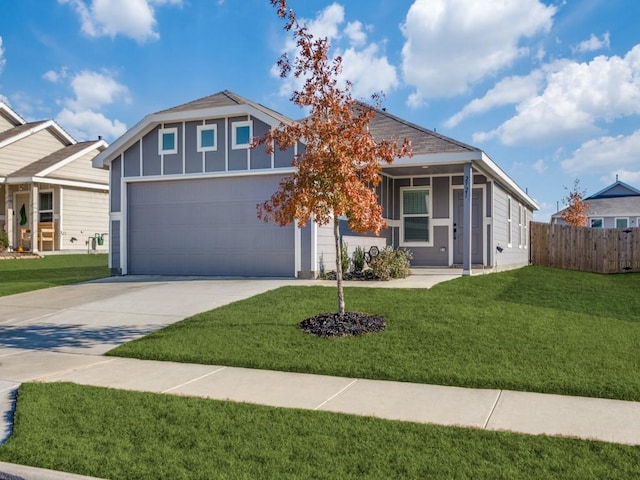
(22, 220)
(458, 227)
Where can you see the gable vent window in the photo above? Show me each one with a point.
(241, 134)
(207, 138)
(168, 141)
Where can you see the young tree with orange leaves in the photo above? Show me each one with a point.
(576, 212)
(340, 167)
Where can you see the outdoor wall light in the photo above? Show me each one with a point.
(499, 248)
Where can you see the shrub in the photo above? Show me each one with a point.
(4, 240)
(391, 263)
(345, 261)
(358, 259)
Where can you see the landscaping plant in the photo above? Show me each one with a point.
(390, 263)
(358, 259)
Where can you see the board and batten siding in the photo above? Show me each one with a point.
(28, 150)
(82, 170)
(85, 214)
(514, 253)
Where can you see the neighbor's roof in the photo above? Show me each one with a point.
(15, 131)
(617, 189)
(611, 207)
(35, 168)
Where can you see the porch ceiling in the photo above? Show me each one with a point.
(419, 170)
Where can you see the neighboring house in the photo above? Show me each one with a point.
(185, 184)
(51, 199)
(616, 206)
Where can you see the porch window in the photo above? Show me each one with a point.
(45, 205)
(416, 208)
(241, 133)
(622, 222)
(597, 223)
(207, 138)
(168, 141)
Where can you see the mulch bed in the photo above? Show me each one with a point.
(350, 324)
(18, 255)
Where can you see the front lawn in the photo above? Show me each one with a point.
(532, 329)
(24, 275)
(130, 435)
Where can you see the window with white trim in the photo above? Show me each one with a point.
(241, 134)
(207, 138)
(597, 223)
(520, 226)
(526, 230)
(168, 141)
(415, 211)
(45, 207)
(509, 232)
(622, 222)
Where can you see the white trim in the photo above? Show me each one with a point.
(428, 215)
(615, 222)
(226, 146)
(61, 219)
(11, 113)
(53, 208)
(57, 181)
(124, 208)
(167, 130)
(314, 245)
(192, 176)
(240, 124)
(591, 219)
(38, 128)
(184, 147)
(199, 130)
(94, 146)
(297, 249)
(509, 221)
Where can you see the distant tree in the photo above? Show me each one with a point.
(576, 212)
(340, 167)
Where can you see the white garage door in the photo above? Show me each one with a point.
(206, 227)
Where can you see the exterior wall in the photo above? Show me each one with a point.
(115, 172)
(114, 250)
(28, 150)
(516, 252)
(82, 170)
(326, 248)
(5, 124)
(85, 213)
(3, 206)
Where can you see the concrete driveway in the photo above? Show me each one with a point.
(94, 317)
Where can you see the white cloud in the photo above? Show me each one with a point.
(630, 177)
(131, 18)
(592, 44)
(540, 166)
(451, 44)
(607, 155)
(87, 124)
(93, 90)
(3, 60)
(54, 77)
(363, 64)
(574, 99)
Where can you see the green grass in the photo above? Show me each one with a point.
(532, 329)
(24, 275)
(130, 435)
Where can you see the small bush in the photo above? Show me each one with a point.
(391, 263)
(358, 259)
(4, 240)
(345, 261)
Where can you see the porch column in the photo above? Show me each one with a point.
(8, 218)
(467, 224)
(34, 217)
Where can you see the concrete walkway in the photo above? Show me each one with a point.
(60, 334)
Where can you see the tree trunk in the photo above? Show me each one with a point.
(336, 237)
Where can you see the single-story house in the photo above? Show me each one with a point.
(185, 185)
(51, 198)
(616, 206)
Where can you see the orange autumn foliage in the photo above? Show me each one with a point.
(576, 212)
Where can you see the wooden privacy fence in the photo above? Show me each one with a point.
(599, 250)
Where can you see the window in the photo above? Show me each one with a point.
(168, 141)
(45, 206)
(509, 233)
(597, 223)
(520, 226)
(622, 222)
(207, 138)
(241, 134)
(415, 216)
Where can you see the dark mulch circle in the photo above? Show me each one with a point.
(348, 325)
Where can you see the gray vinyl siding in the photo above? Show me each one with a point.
(132, 161)
(151, 160)
(326, 248)
(440, 192)
(432, 256)
(172, 163)
(114, 241)
(237, 158)
(513, 255)
(115, 184)
(214, 161)
(259, 156)
(283, 158)
(192, 158)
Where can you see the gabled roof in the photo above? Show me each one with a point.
(628, 206)
(9, 113)
(21, 131)
(617, 189)
(57, 159)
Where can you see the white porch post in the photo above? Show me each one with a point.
(467, 223)
(8, 218)
(34, 217)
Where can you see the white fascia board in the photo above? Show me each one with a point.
(58, 181)
(150, 121)
(94, 146)
(436, 159)
(12, 113)
(507, 181)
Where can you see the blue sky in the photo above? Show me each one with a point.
(550, 90)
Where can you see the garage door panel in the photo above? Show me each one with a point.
(189, 227)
